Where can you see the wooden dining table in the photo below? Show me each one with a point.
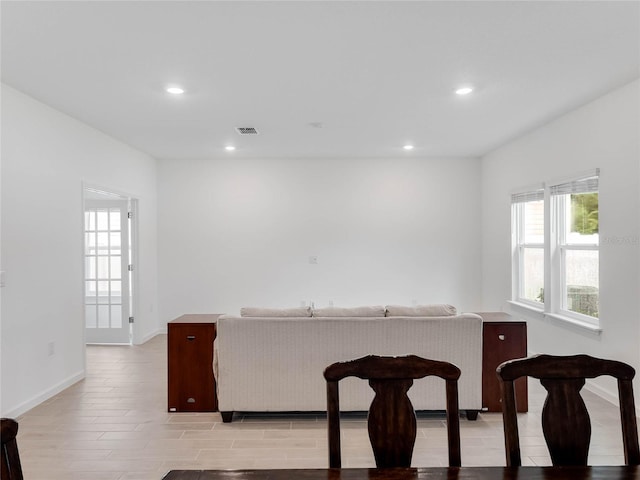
(431, 473)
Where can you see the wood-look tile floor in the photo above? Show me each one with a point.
(114, 425)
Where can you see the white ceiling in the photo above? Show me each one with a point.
(375, 74)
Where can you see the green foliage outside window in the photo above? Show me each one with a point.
(583, 299)
(584, 207)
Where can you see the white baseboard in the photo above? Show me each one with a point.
(149, 336)
(44, 396)
(609, 396)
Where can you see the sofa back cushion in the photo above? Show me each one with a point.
(435, 310)
(275, 312)
(368, 311)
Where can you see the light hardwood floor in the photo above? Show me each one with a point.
(114, 425)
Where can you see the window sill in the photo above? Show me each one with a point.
(526, 306)
(590, 327)
(566, 320)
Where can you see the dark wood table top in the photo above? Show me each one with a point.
(432, 473)
(197, 318)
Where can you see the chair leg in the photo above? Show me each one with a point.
(227, 417)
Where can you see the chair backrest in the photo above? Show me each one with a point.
(10, 468)
(392, 419)
(565, 421)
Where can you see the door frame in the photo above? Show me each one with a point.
(106, 193)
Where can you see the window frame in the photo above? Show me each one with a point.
(560, 245)
(518, 201)
(555, 247)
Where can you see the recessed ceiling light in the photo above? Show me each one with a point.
(229, 148)
(464, 90)
(408, 147)
(175, 90)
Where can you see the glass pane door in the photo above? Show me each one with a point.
(106, 240)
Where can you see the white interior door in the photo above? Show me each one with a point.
(107, 296)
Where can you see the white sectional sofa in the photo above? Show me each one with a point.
(272, 360)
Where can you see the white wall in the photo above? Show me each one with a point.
(604, 134)
(45, 158)
(239, 232)
(236, 233)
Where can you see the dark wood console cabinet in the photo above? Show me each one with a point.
(191, 386)
(503, 338)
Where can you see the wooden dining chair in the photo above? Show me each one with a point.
(392, 419)
(10, 468)
(565, 420)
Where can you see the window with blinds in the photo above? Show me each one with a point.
(528, 246)
(576, 263)
(555, 230)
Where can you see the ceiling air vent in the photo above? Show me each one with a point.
(246, 130)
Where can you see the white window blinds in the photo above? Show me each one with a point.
(530, 196)
(585, 184)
